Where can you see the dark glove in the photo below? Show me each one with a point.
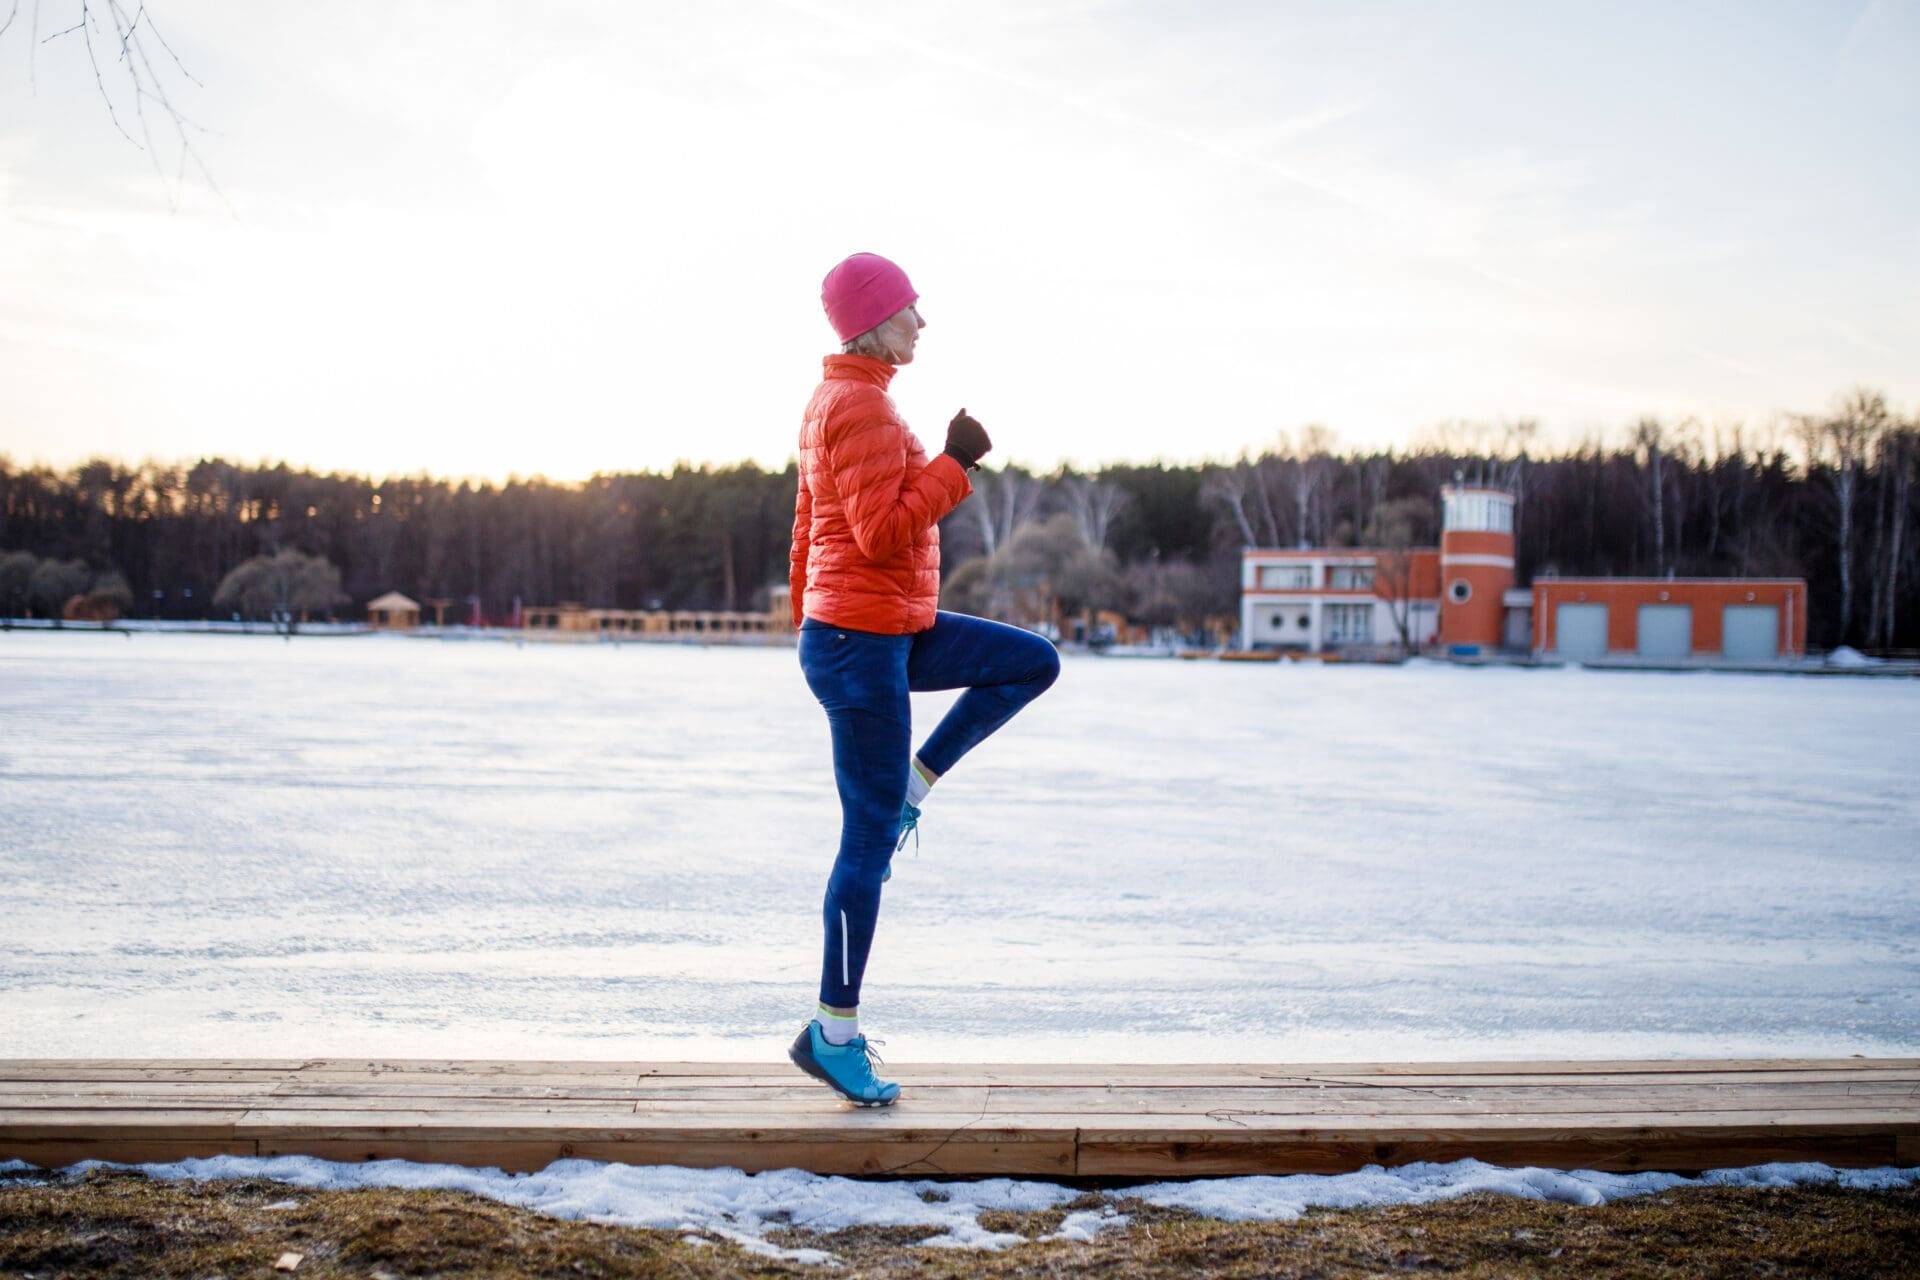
(967, 441)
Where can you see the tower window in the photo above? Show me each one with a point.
(1459, 591)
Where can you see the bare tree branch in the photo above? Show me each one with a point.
(133, 26)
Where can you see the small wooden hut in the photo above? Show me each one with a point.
(393, 612)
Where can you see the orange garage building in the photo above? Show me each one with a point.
(1735, 619)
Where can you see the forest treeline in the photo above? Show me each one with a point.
(1828, 497)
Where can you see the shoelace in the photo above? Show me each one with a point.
(909, 822)
(873, 1055)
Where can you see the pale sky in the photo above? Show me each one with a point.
(492, 238)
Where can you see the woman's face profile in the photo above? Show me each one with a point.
(900, 332)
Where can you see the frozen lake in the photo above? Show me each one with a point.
(236, 846)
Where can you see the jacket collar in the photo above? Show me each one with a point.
(859, 369)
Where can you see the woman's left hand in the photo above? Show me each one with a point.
(967, 441)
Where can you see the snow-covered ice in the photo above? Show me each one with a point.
(237, 846)
(744, 1208)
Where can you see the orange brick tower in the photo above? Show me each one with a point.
(1476, 565)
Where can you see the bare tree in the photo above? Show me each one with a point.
(1837, 446)
(1093, 504)
(281, 586)
(1312, 467)
(55, 582)
(1268, 485)
(1898, 449)
(1226, 489)
(1003, 503)
(16, 581)
(1395, 531)
(1649, 442)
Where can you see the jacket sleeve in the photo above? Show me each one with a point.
(884, 508)
(797, 555)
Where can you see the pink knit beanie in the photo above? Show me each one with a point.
(862, 291)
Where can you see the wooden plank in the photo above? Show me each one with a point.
(195, 1105)
(1315, 1069)
(471, 1066)
(29, 1125)
(977, 1071)
(104, 1089)
(895, 1141)
(1146, 1072)
(840, 1123)
(1635, 1080)
(414, 1087)
(1011, 1100)
(999, 1100)
(1195, 1078)
(793, 1086)
(1153, 1157)
(157, 1075)
(149, 1064)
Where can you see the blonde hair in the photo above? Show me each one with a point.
(872, 344)
(868, 344)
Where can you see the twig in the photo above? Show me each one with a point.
(154, 27)
(86, 33)
(128, 33)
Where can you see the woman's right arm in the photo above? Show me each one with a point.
(885, 510)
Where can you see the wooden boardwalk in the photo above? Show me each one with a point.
(1035, 1120)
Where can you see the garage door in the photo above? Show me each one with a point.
(1580, 630)
(1751, 632)
(1666, 631)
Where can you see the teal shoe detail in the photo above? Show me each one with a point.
(847, 1068)
(909, 822)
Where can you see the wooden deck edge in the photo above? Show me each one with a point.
(1046, 1121)
(1082, 1152)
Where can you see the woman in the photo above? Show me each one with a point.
(866, 589)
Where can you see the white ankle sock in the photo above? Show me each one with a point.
(920, 780)
(837, 1028)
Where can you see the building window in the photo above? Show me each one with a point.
(1459, 591)
(1349, 624)
(1285, 577)
(1350, 577)
(1304, 623)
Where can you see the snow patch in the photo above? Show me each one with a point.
(1284, 1197)
(703, 1205)
(1084, 1224)
(724, 1203)
(1848, 656)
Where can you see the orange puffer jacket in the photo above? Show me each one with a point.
(866, 537)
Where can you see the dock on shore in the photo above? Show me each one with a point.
(1034, 1120)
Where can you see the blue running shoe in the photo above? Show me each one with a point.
(909, 821)
(847, 1068)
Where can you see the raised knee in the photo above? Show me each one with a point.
(1046, 665)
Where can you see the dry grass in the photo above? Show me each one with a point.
(118, 1223)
